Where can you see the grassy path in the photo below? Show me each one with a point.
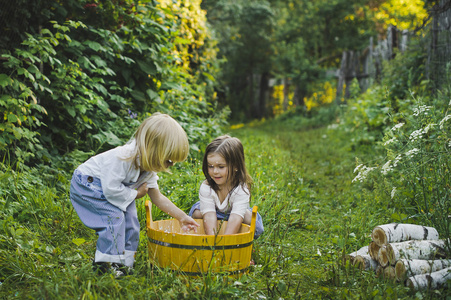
(313, 212)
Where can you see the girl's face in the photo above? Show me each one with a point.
(218, 169)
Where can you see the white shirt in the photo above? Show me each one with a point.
(118, 176)
(235, 203)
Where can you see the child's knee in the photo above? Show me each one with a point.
(197, 214)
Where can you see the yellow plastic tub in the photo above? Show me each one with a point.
(198, 253)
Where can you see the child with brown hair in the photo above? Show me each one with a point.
(225, 194)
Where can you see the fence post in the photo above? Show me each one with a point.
(341, 77)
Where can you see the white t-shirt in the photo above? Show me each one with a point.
(235, 203)
(118, 176)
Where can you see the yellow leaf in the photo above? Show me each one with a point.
(78, 241)
(35, 101)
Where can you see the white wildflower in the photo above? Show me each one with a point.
(363, 172)
(332, 126)
(386, 168)
(412, 153)
(429, 127)
(357, 168)
(397, 126)
(416, 135)
(421, 109)
(444, 120)
(393, 192)
(397, 159)
(390, 141)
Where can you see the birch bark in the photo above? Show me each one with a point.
(394, 232)
(433, 280)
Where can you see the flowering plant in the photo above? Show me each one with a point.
(416, 170)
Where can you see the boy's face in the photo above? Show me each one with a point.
(218, 169)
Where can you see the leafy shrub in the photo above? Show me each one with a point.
(406, 73)
(85, 87)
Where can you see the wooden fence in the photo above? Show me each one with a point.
(366, 65)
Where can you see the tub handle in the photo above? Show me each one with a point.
(254, 219)
(149, 221)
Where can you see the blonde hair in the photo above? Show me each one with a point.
(159, 139)
(231, 149)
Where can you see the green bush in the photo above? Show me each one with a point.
(85, 87)
(406, 74)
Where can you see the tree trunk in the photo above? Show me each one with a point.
(251, 87)
(433, 280)
(263, 94)
(406, 268)
(411, 250)
(390, 233)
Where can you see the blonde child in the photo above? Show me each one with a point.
(104, 189)
(225, 193)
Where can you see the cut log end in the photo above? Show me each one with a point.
(400, 270)
(379, 271)
(385, 256)
(390, 254)
(359, 262)
(389, 272)
(373, 250)
(378, 236)
(410, 284)
(365, 262)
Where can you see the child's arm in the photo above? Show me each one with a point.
(142, 190)
(233, 224)
(162, 202)
(210, 222)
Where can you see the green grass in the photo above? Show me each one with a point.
(313, 215)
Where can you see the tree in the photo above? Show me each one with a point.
(244, 29)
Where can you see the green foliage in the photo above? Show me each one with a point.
(367, 114)
(244, 31)
(84, 86)
(294, 41)
(300, 119)
(406, 74)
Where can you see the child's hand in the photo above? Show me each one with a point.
(187, 223)
(142, 190)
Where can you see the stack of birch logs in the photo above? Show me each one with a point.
(409, 253)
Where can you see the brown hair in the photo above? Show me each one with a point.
(233, 152)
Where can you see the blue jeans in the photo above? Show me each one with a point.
(118, 231)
